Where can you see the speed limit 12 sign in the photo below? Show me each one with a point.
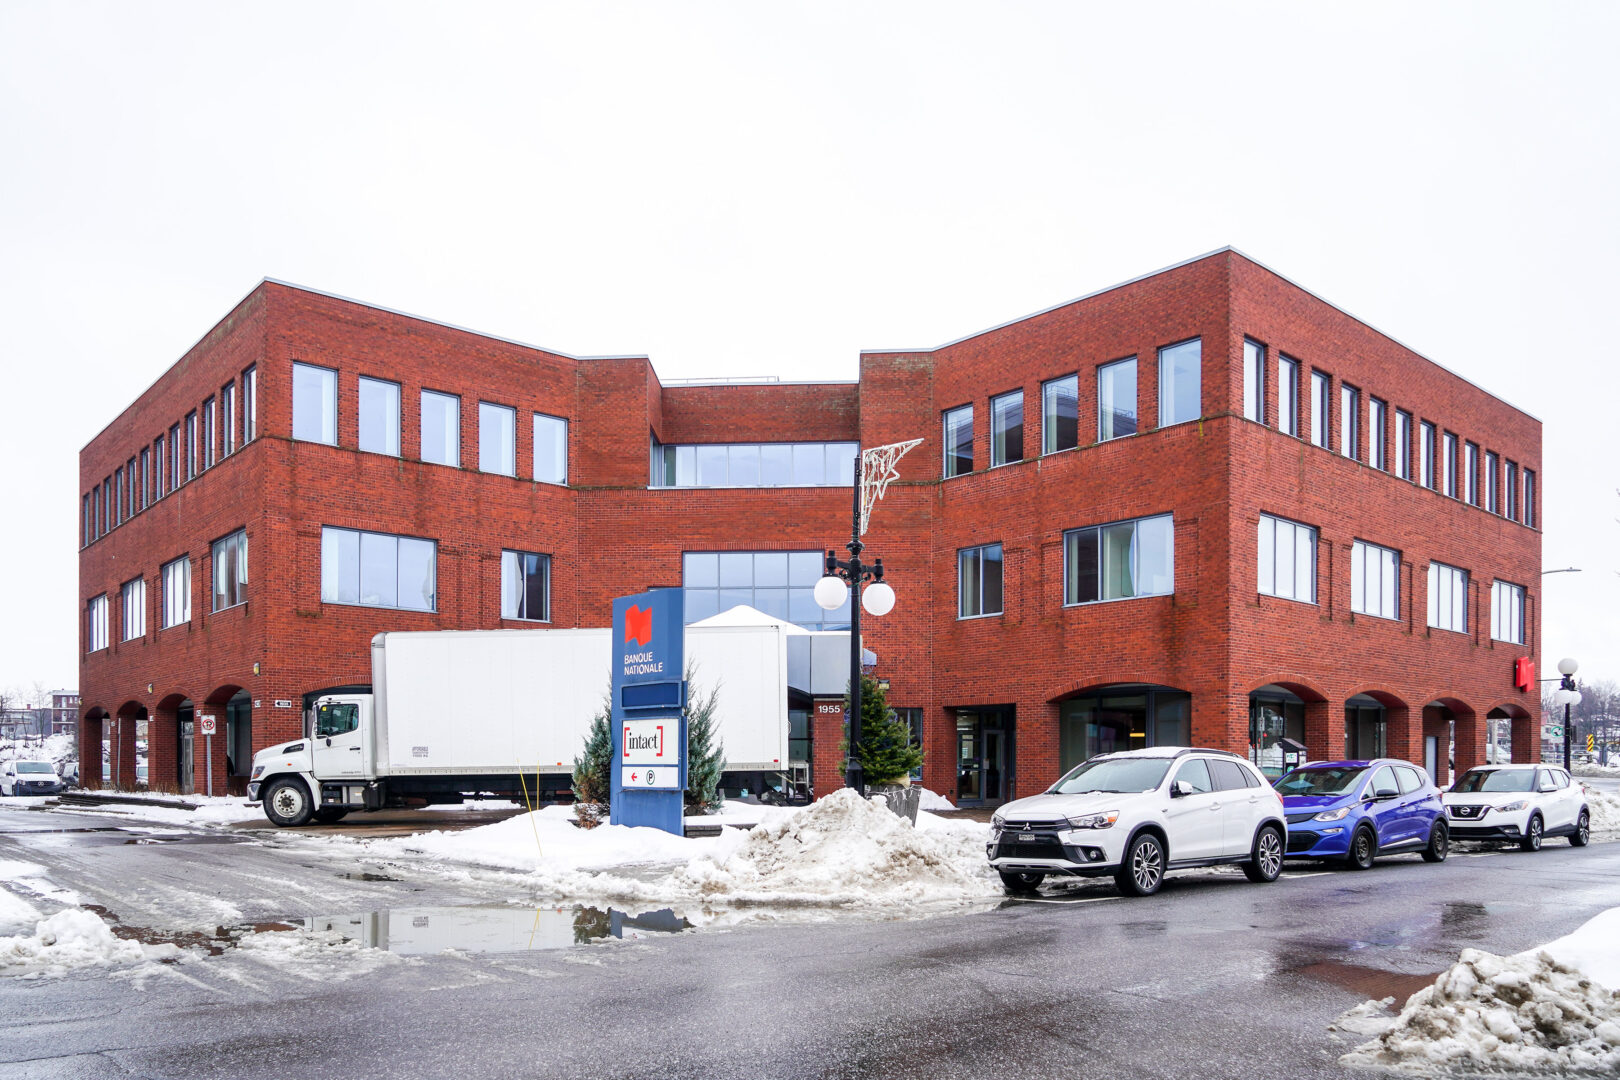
(207, 725)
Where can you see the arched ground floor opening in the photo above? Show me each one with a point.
(1453, 740)
(1510, 734)
(1121, 716)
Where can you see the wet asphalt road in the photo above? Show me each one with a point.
(1213, 977)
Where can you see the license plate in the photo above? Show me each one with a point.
(1022, 838)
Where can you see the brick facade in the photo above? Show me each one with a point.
(608, 533)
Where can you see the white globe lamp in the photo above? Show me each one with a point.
(1568, 666)
(831, 593)
(877, 598)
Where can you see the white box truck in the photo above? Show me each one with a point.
(452, 713)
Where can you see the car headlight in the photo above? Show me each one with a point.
(1333, 815)
(1104, 820)
(257, 770)
(997, 821)
(1509, 807)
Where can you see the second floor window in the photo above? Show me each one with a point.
(959, 441)
(1471, 473)
(1319, 408)
(378, 570)
(978, 581)
(753, 465)
(227, 416)
(1377, 434)
(1492, 473)
(230, 570)
(1448, 464)
(1288, 396)
(1507, 612)
(1287, 559)
(209, 436)
(1448, 598)
(1007, 428)
(525, 586)
(1426, 454)
(134, 614)
(95, 630)
(1510, 490)
(1060, 414)
(314, 404)
(250, 404)
(1116, 400)
(441, 428)
(1349, 421)
(1403, 444)
(1374, 580)
(1254, 381)
(379, 416)
(550, 449)
(497, 439)
(1114, 562)
(1180, 383)
(176, 592)
(1530, 498)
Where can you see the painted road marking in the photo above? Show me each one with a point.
(1080, 900)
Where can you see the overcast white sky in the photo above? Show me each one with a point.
(769, 188)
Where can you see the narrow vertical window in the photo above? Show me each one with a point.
(1116, 400)
(314, 404)
(1448, 598)
(177, 469)
(1426, 455)
(95, 636)
(132, 489)
(1254, 381)
(146, 478)
(230, 571)
(497, 439)
(106, 504)
(227, 418)
(176, 592)
(1288, 396)
(1377, 434)
(250, 404)
(978, 581)
(89, 521)
(959, 441)
(1180, 389)
(192, 449)
(1007, 428)
(1492, 475)
(1471, 473)
(1530, 498)
(1403, 444)
(118, 497)
(551, 449)
(1507, 612)
(1448, 463)
(526, 586)
(159, 467)
(1319, 408)
(1510, 490)
(379, 416)
(1060, 414)
(441, 428)
(134, 609)
(1349, 421)
(209, 427)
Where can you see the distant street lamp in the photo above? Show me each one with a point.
(1569, 696)
(1565, 570)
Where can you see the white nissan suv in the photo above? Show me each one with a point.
(1137, 814)
(1518, 803)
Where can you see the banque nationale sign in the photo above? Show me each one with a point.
(649, 707)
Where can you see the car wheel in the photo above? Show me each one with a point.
(328, 814)
(287, 803)
(1019, 883)
(1583, 830)
(1267, 860)
(1439, 843)
(1363, 849)
(1532, 835)
(1142, 872)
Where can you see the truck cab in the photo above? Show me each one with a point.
(326, 773)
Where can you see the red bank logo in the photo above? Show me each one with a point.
(638, 625)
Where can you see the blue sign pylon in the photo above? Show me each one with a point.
(649, 710)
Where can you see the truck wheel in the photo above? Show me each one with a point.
(1439, 843)
(1363, 849)
(1268, 856)
(1583, 830)
(287, 803)
(328, 814)
(1142, 870)
(1020, 884)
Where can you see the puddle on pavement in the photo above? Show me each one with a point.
(188, 838)
(363, 875)
(1375, 983)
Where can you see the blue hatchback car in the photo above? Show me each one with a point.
(1354, 811)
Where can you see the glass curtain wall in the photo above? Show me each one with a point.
(1122, 718)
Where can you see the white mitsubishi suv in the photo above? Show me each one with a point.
(1519, 803)
(1139, 813)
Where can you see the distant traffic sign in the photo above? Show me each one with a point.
(206, 723)
(1552, 731)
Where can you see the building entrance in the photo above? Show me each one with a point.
(1275, 714)
(1366, 729)
(185, 768)
(983, 755)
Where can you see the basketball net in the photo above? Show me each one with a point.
(877, 469)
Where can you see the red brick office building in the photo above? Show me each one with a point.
(1202, 506)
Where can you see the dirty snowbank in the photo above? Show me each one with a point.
(72, 938)
(1547, 1010)
(1604, 806)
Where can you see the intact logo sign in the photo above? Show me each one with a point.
(642, 742)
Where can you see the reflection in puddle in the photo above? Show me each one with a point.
(425, 931)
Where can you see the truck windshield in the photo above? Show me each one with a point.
(1495, 780)
(336, 719)
(1113, 774)
(1333, 781)
(35, 766)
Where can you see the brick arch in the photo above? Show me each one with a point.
(1448, 715)
(222, 694)
(1319, 727)
(1133, 679)
(163, 743)
(1294, 685)
(92, 725)
(1403, 737)
(120, 736)
(1525, 740)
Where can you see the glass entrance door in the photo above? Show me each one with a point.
(185, 779)
(983, 751)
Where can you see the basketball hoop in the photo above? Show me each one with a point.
(877, 469)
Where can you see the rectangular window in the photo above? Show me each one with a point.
(193, 451)
(1319, 408)
(118, 496)
(1377, 434)
(1007, 428)
(1374, 580)
(1507, 612)
(227, 419)
(132, 488)
(1492, 472)
(1114, 562)
(379, 416)
(134, 614)
(1180, 397)
(1426, 474)
(1287, 560)
(1510, 490)
(1254, 381)
(314, 404)
(749, 465)
(89, 520)
(146, 478)
(177, 470)
(978, 578)
(1403, 444)
(497, 439)
(779, 583)
(378, 570)
(550, 449)
(1060, 414)
(959, 441)
(1448, 598)
(1448, 464)
(208, 433)
(1530, 498)
(441, 428)
(230, 570)
(1349, 421)
(95, 512)
(1471, 473)
(1116, 400)
(106, 504)
(96, 624)
(177, 592)
(159, 463)
(1288, 396)
(525, 586)
(250, 405)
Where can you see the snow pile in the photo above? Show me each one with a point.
(1534, 1012)
(72, 938)
(1604, 806)
(843, 850)
(316, 955)
(60, 750)
(932, 800)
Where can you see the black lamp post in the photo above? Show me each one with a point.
(1567, 667)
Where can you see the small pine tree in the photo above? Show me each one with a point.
(593, 769)
(886, 752)
(705, 755)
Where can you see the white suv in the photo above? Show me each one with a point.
(1520, 803)
(1138, 814)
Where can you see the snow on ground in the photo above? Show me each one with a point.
(1555, 1009)
(1604, 806)
(208, 810)
(57, 749)
(314, 954)
(30, 878)
(932, 800)
(72, 938)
